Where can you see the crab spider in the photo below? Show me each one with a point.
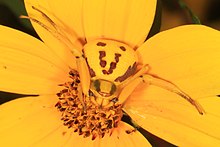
(115, 73)
(109, 70)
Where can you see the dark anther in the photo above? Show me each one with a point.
(91, 93)
(114, 100)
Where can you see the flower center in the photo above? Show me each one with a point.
(86, 118)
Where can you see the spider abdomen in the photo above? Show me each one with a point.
(110, 60)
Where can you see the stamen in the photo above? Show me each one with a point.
(130, 131)
(95, 121)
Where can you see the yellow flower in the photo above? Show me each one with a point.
(171, 91)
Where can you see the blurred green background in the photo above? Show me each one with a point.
(10, 10)
(208, 11)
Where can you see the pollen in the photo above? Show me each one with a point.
(85, 117)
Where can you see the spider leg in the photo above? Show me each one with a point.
(139, 73)
(55, 30)
(128, 89)
(46, 17)
(81, 98)
(162, 83)
(59, 33)
(131, 83)
(82, 67)
(143, 76)
(84, 74)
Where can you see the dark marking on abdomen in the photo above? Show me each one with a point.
(102, 54)
(92, 72)
(102, 63)
(117, 57)
(112, 65)
(122, 48)
(130, 71)
(101, 44)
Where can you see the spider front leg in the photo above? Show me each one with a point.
(131, 83)
(162, 83)
(84, 74)
(159, 82)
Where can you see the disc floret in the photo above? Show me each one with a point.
(86, 118)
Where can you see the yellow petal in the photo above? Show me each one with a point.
(120, 138)
(27, 65)
(34, 121)
(188, 56)
(53, 30)
(39, 126)
(122, 20)
(173, 119)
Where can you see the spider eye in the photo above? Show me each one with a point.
(113, 89)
